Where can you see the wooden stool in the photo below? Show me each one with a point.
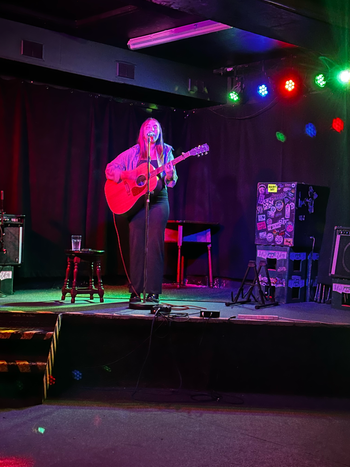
(93, 257)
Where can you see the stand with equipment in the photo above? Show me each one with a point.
(265, 299)
(2, 233)
(11, 247)
(2, 250)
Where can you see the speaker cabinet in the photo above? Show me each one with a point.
(287, 271)
(12, 246)
(290, 214)
(340, 259)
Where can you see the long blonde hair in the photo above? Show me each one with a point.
(142, 141)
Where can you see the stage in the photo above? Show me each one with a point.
(203, 344)
(190, 299)
(252, 386)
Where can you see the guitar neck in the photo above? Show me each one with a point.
(175, 161)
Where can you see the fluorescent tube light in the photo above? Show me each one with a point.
(175, 34)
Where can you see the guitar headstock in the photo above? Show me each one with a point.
(199, 150)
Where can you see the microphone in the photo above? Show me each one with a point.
(151, 134)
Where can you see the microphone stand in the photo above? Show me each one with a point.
(143, 305)
(147, 202)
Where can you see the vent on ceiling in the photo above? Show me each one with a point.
(125, 70)
(32, 49)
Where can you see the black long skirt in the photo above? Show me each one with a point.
(158, 217)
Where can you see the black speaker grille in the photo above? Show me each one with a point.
(340, 260)
(12, 254)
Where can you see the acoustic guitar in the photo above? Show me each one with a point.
(122, 196)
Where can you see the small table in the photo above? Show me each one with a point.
(189, 231)
(93, 257)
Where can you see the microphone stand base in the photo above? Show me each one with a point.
(141, 306)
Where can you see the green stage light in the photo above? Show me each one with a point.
(234, 96)
(320, 80)
(344, 76)
(280, 136)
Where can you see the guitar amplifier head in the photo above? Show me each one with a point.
(13, 219)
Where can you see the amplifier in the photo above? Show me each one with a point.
(13, 219)
(12, 234)
(340, 259)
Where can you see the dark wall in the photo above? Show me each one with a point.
(55, 144)
(222, 355)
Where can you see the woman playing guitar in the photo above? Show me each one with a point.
(128, 171)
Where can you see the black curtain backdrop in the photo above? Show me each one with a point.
(55, 144)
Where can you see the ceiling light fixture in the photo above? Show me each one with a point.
(236, 90)
(176, 34)
(263, 90)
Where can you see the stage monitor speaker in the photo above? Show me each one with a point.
(12, 246)
(340, 258)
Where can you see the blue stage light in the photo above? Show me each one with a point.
(77, 375)
(263, 90)
(310, 130)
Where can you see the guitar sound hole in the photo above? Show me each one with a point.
(141, 180)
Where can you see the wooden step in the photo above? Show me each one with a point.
(28, 344)
(25, 333)
(22, 366)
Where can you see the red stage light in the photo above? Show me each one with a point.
(289, 84)
(338, 124)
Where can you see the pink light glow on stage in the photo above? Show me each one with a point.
(16, 462)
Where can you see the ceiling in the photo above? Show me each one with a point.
(261, 29)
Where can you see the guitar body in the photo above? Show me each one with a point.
(121, 197)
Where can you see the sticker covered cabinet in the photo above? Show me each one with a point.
(290, 214)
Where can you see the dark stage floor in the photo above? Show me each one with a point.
(67, 434)
(190, 299)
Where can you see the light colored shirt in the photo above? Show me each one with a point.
(129, 159)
